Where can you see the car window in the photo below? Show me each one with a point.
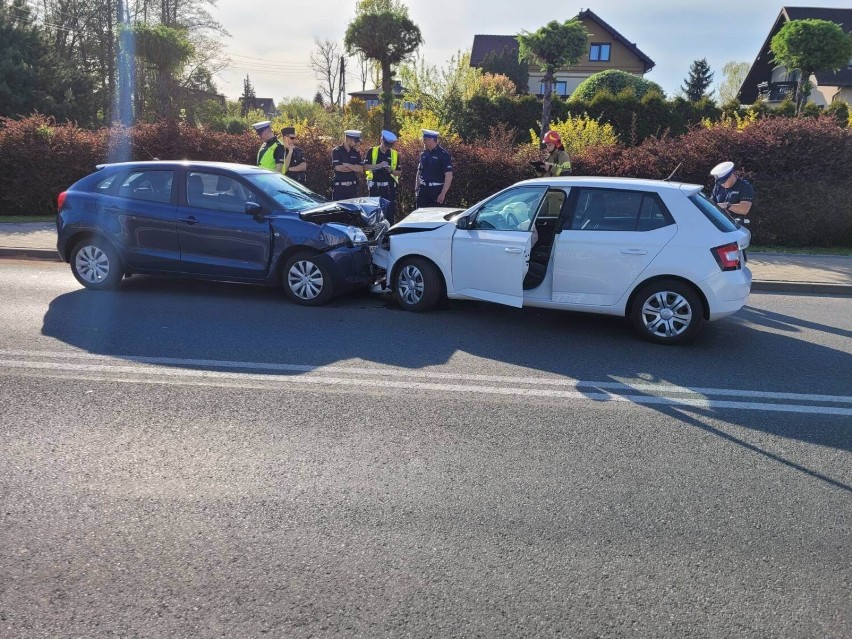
(552, 204)
(151, 186)
(717, 216)
(513, 210)
(291, 195)
(217, 192)
(618, 210)
(103, 185)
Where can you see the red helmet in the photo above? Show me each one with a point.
(552, 137)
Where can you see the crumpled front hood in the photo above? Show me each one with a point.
(428, 218)
(363, 212)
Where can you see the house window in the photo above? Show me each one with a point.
(560, 88)
(600, 52)
(371, 104)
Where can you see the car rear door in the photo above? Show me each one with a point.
(138, 212)
(610, 237)
(217, 237)
(489, 259)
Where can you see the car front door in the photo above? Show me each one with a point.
(216, 235)
(489, 258)
(139, 215)
(612, 236)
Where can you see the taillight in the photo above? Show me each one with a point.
(727, 256)
(60, 201)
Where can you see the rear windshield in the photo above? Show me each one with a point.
(717, 216)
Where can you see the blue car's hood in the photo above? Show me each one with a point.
(363, 212)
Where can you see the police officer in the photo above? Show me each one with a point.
(434, 172)
(295, 166)
(271, 153)
(347, 163)
(731, 193)
(382, 172)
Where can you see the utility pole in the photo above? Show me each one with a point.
(125, 65)
(342, 85)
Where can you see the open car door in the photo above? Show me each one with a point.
(490, 257)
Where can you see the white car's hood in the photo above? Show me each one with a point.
(428, 218)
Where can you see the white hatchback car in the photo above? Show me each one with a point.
(660, 253)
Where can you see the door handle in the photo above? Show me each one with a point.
(514, 250)
(634, 251)
(189, 220)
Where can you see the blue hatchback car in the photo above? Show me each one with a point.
(216, 221)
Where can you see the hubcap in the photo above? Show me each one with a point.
(92, 264)
(410, 284)
(305, 280)
(666, 314)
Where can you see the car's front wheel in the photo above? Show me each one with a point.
(307, 281)
(416, 284)
(667, 312)
(95, 264)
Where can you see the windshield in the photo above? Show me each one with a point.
(717, 216)
(291, 195)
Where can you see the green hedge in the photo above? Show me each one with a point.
(801, 168)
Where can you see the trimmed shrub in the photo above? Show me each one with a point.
(614, 81)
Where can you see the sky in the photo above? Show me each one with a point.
(271, 40)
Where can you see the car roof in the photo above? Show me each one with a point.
(614, 182)
(172, 164)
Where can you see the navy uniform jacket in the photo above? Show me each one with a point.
(433, 165)
(745, 190)
(341, 156)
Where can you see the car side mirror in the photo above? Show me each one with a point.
(463, 223)
(253, 208)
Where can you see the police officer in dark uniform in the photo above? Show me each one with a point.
(381, 164)
(295, 165)
(271, 153)
(732, 193)
(347, 163)
(434, 173)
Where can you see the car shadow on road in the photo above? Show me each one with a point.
(782, 322)
(196, 320)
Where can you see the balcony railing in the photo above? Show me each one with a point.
(776, 91)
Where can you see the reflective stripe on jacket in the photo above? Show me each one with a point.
(267, 159)
(374, 157)
(561, 162)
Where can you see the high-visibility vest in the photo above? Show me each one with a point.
(374, 153)
(267, 158)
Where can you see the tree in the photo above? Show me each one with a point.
(389, 38)
(554, 46)
(318, 99)
(735, 74)
(809, 46)
(698, 81)
(248, 98)
(166, 49)
(507, 63)
(325, 63)
(614, 81)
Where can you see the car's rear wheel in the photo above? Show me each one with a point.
(95, 264)
(416, 284)
(667, 312)
(307, 281)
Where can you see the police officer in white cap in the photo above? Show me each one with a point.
(731, 192)
(347, 163)
(381, 164)
(272, 153)
(434, 172)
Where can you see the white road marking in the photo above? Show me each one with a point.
(228, 378)
(563, 381)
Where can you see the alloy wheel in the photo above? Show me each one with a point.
(92, 264)
(410, 284)
(305, 279)
(666, 314)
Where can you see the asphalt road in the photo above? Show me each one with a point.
(191, 459)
